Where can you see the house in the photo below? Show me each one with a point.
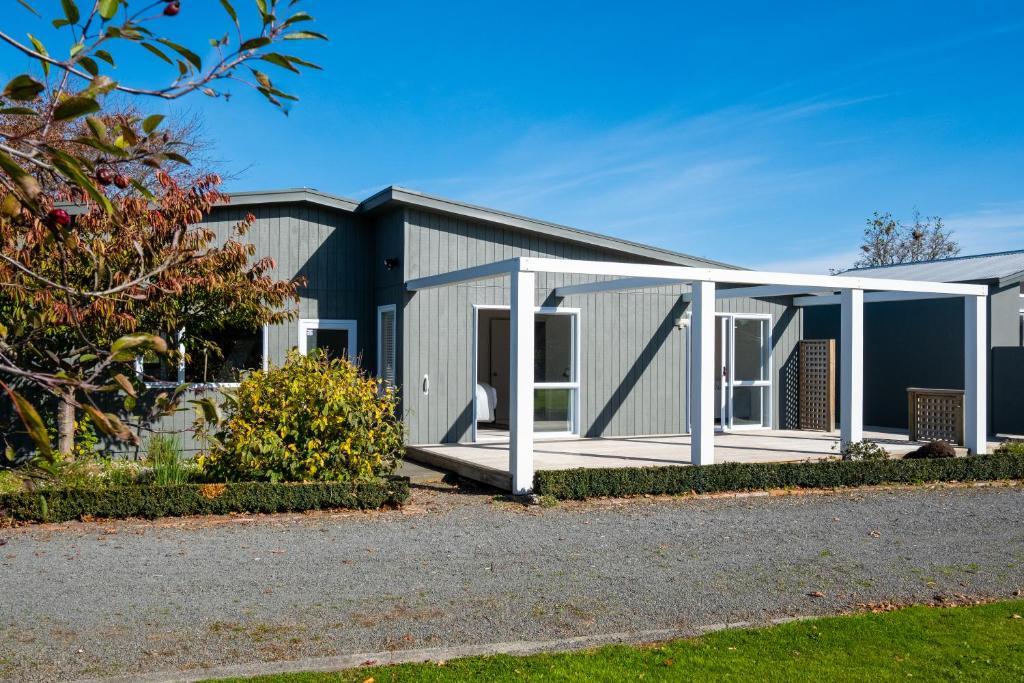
(929, 334)
(508, 330)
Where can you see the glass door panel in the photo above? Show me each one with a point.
(749, 359)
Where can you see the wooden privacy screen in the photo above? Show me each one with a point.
(936, 415)
(818, 384)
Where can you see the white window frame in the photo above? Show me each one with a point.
(351, 326)
(728, 321)
(393, 309)
(575, 386)
(139, 371)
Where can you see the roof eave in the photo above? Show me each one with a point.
(405, 197)
(296, 195)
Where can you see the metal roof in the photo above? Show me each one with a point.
(398, 196)
(1004, 267)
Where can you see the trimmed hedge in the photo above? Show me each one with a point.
(178, 500)
(582, 483)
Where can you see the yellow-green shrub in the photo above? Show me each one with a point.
(313, 419)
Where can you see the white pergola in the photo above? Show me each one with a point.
(851, 293)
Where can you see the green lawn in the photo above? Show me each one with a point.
(919, 643)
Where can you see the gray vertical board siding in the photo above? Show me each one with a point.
(632, 369)
(1006, 361)
(921, 343)
(906, 344)
(329, 248)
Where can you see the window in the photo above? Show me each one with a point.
(556, 387)
(221, 358)
(336, 338)
(224, 356)
(386, 332)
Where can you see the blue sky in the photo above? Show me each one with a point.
(761, 134)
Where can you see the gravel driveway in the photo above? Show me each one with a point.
(455, 568)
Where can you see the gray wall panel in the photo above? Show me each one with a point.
(632, 355)
(921, 343)
(327, 247)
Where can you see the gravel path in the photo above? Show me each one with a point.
(102, 599)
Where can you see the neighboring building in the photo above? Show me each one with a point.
(919, 343)
(605, 366)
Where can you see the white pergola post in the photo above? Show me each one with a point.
(520, 450)
(703, 371)
(975, 374)
(851, 419)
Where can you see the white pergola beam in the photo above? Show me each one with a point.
(741, 277)
(872, 298)
(520, 451)
(615, 285)
(702, 384)
(488, 270)
(657, 275)
(975, 374)
(851, 361)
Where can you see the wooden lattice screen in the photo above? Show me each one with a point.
(818, 384)
(936, 415)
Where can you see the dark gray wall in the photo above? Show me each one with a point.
(921, 344)
(632, 372)
(336, 253)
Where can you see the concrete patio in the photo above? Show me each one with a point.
(488, 462)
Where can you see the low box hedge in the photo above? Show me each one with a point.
(578, 484)
(150, 501)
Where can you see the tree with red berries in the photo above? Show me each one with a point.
(100, 246)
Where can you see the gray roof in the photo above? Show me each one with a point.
(398, 196)
(1005, 267)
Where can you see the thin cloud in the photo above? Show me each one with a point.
(992, 227)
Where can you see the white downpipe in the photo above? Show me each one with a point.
(851, 419)
(521, 394)
(975, 374)
(702, 385)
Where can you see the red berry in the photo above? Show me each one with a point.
(58, 217)
(172, 8)
(104, 176)
(121, 181)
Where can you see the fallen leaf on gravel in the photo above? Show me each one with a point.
(369, 662)
(816, 594)
(875, 533)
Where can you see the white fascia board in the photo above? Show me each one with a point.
(743, 277)
(452, 277)
(614, 285)
(871, 298)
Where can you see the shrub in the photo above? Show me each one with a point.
(1012, 447)
(636, 481)
(314, 418)
(866, 451)
(933, 449)
(149, 501)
